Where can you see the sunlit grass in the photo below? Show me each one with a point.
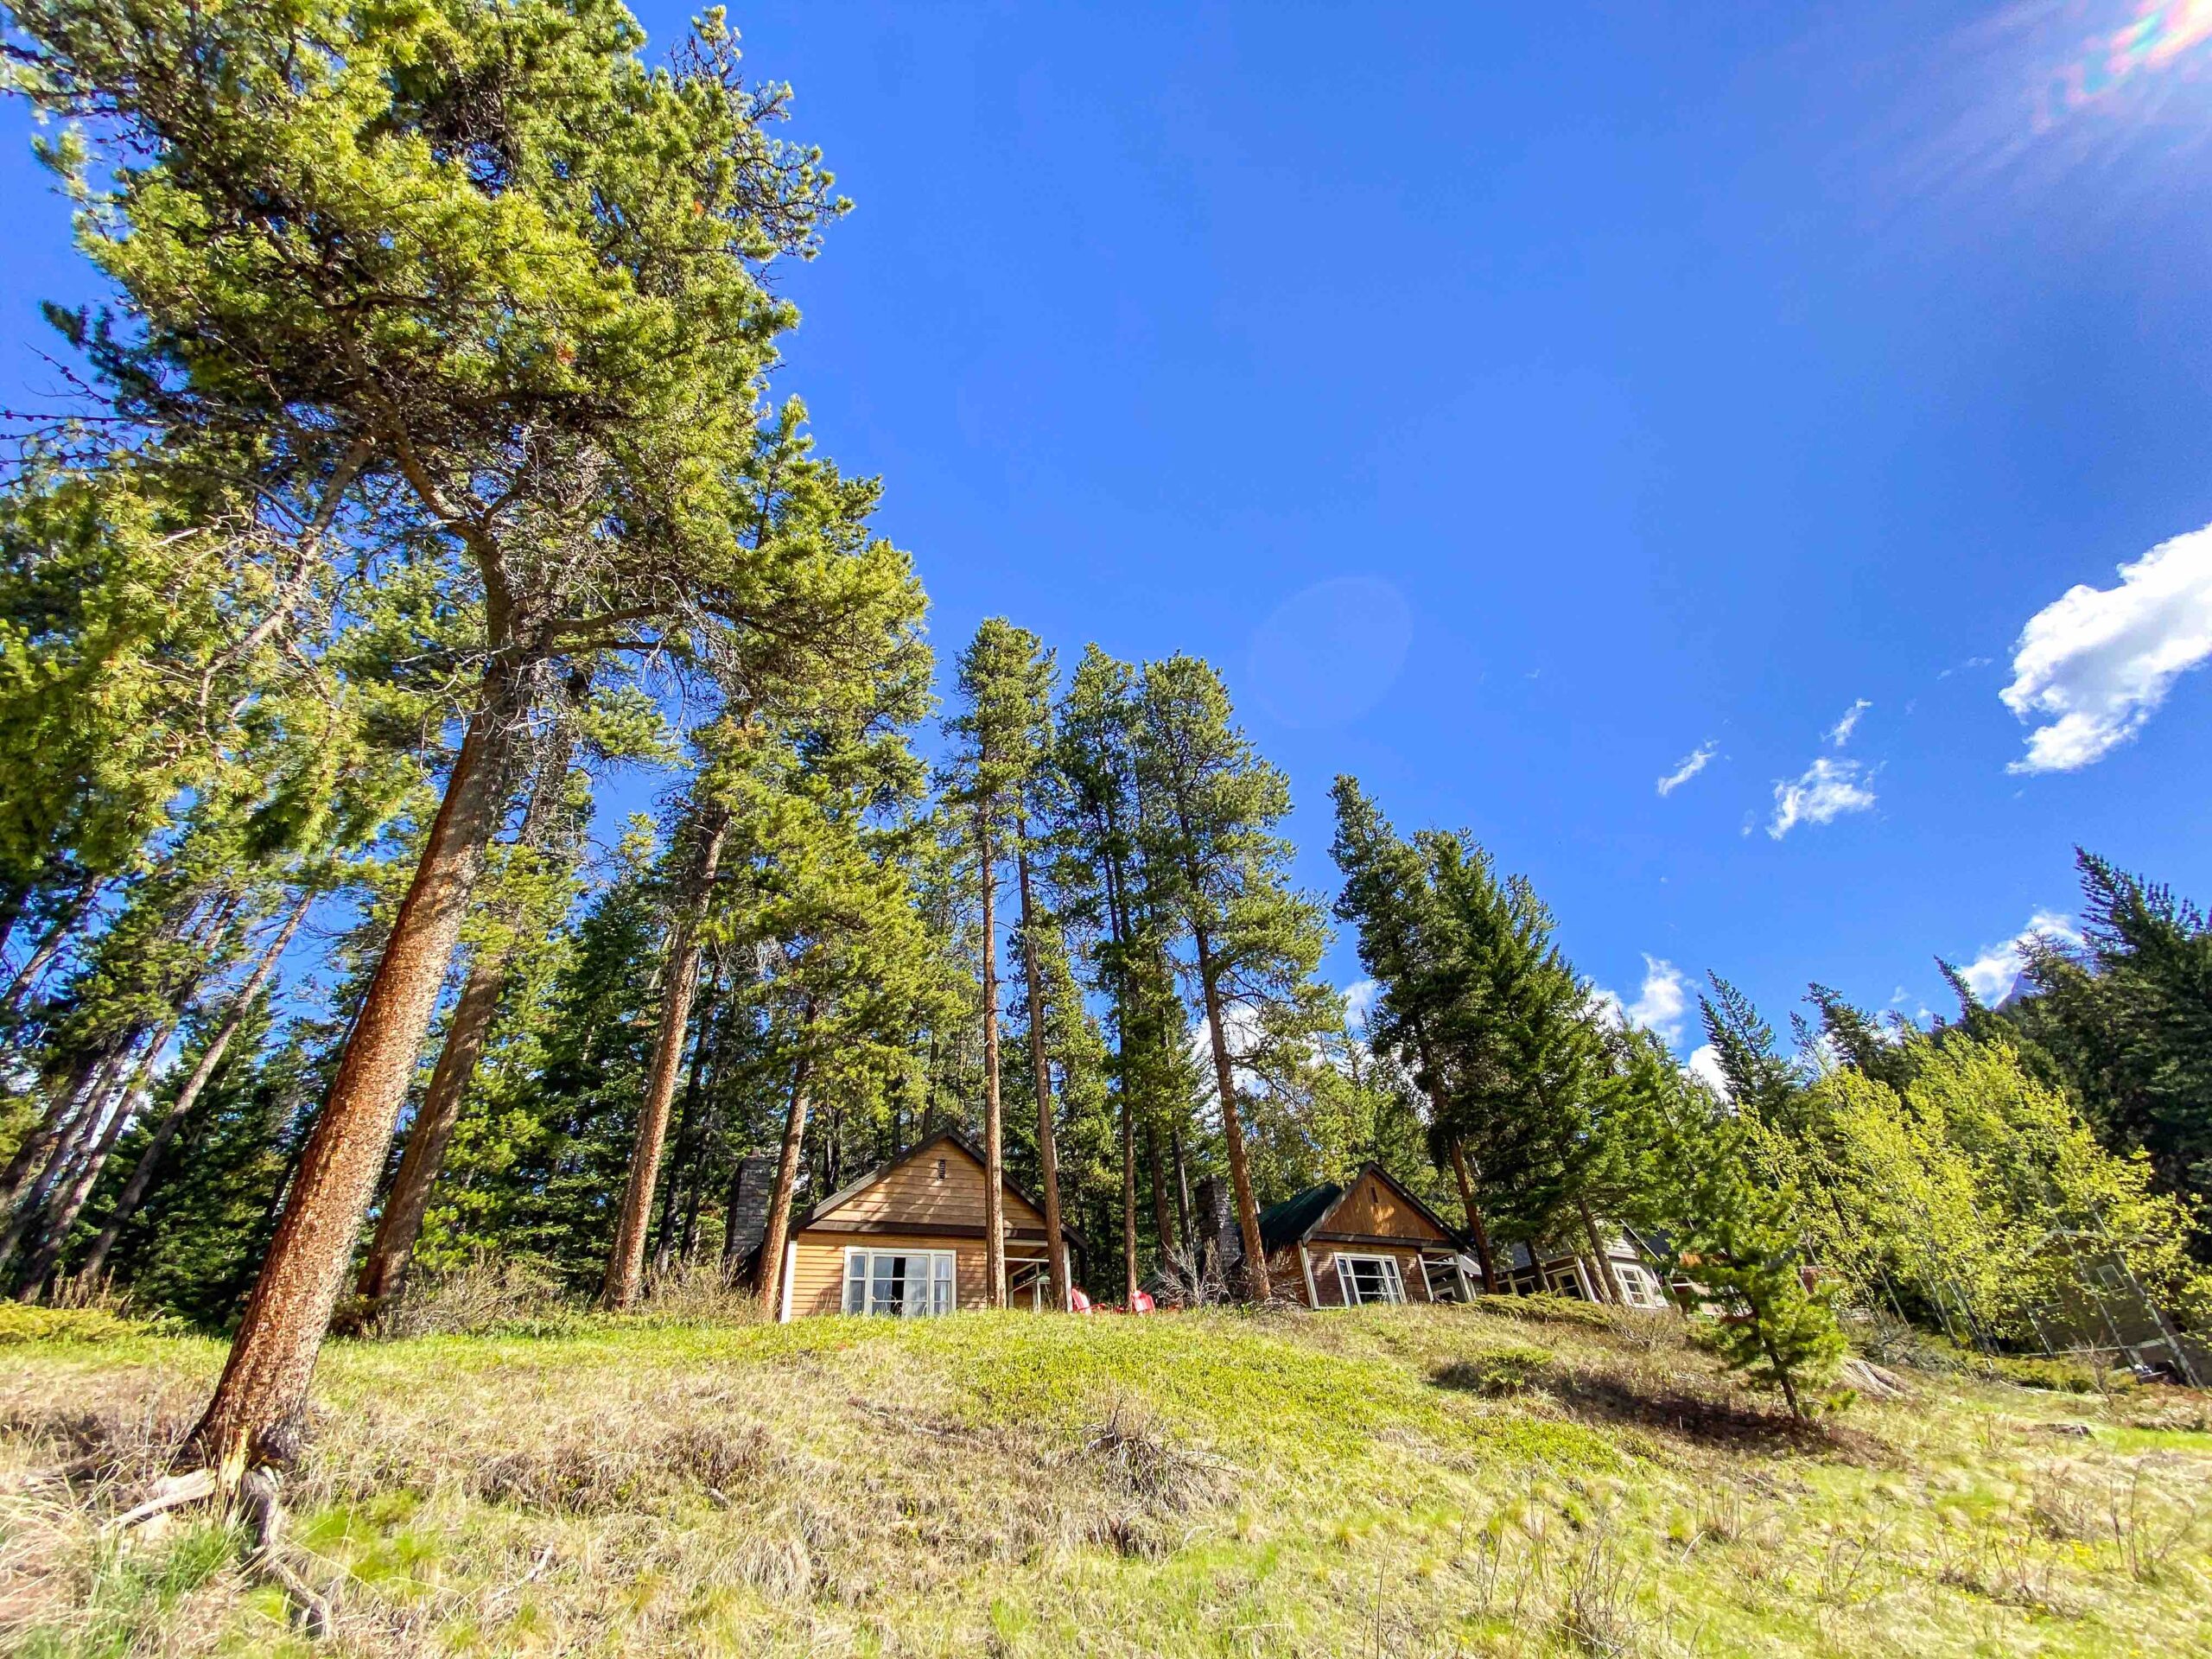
(1408, 1481)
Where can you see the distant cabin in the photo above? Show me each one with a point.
(907, 1238)
(1371, 1241)
(1556, 1270)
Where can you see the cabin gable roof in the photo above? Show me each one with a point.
(1302, 1215)
(1021, 1208)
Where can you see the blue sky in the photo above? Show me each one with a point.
(1517, 402)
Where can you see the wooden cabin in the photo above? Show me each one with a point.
(908, 1239)
(1555, 1270)
(1371, 1241)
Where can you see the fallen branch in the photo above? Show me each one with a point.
(172, 1493)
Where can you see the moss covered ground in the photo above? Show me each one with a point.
(1518, 1478)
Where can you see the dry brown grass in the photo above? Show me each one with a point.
(1264, 1484)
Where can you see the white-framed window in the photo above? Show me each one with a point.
(1638, 1288)
(1369, 1279)
(1566, 1282)
(906, 1284)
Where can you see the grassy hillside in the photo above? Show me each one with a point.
(1408, 1481)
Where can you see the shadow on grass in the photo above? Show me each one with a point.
(1702, 1419)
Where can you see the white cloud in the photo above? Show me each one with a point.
(2096, 664)
(1705, 1066)
(1992, 974)
(1359, 998)
(1840, 733)
(1660, 1005)
(1828, 789)
(1688, 767)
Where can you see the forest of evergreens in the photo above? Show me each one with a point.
(434, 478)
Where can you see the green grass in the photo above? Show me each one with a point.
(1405, 1481)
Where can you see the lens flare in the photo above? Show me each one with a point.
(2159, 36)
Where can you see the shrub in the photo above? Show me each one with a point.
(1497, 1374)
(1548, 1309)
(22, 1324)
(2064, 1373)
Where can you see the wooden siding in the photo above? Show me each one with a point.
(1289, 1275)
(818, 1267)
(914, 1193)
(1372, 1209)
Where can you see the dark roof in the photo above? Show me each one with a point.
(1297, 1216)
(844, 1194)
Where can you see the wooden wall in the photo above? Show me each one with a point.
(1289, 1276)
(818, 1267)
(1372, 1207)
(914, 1193)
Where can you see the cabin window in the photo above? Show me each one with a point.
(904, 1284)
(1637, 1288)
(1366, 1279)
(1564, 1281)
(940, 1169)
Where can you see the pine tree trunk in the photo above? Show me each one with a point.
(682, 1169)
(626, 1268)
(50, 942)
(1240, 1173)
(89, 1104)
(1128, 1203)
(392, 1247)
(1048, 1156)
(1781, 1372)
(254, 1417)
(1474, 1217)
(770, 1272)
(32, 1162)
(995, 1284)
(399, 1224)
(1163, 1213)
(1189, 1244)
(1608, 1291)
(211, 1058)
(62, 1214)
(1117, 923)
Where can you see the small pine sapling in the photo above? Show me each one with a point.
(1737, 1237)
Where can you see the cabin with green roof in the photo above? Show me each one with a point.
(1370, 1240)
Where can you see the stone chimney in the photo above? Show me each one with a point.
(1221, 1244)
(748, 1208)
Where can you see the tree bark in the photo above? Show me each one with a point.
(1240, 1173)
(1163, 1212)
(770, 1272)
(255, 1414)
(135, 1186)
(211, 1058)
(57, 1127)
(86, 1106)
(49, 942)
(62, 1215)
(1190, 1245)
(392, 1247)
(680, 1171)
(1048, 1156)
(399, 1224)
(1608, 1290)
(626, 1268)
(994, 1286)
(1128, 1202)
(1474, 1217)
